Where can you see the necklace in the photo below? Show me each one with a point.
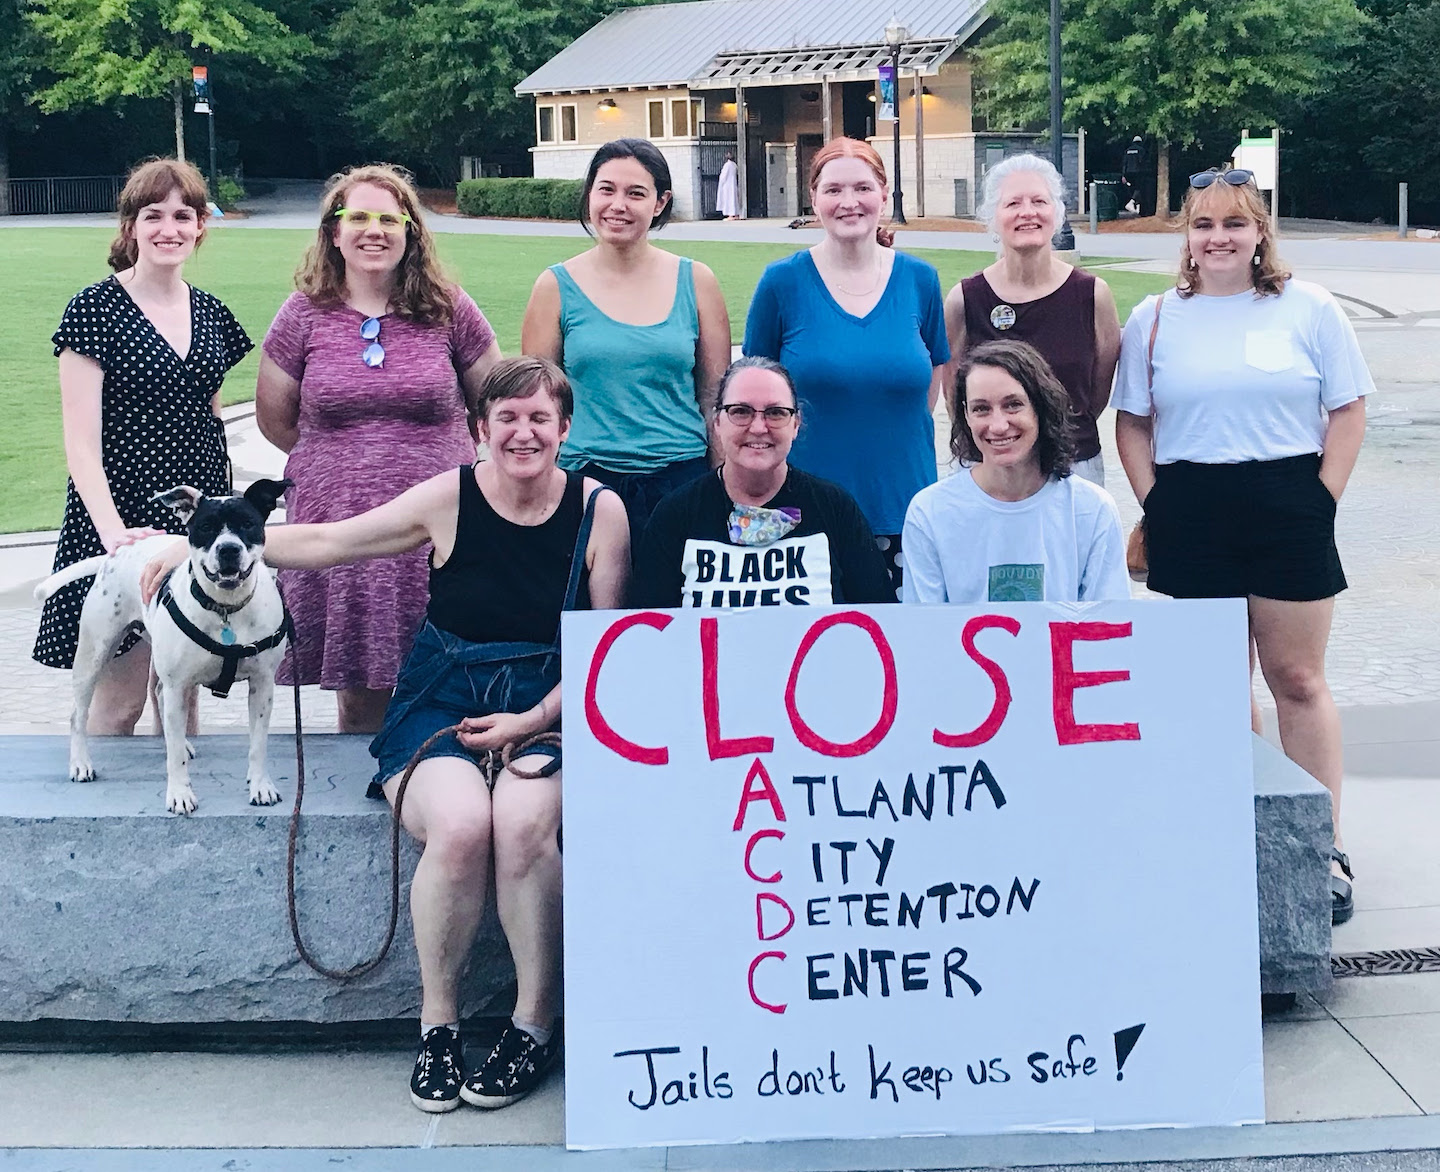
(879, 271)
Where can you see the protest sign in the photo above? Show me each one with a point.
(908, 870)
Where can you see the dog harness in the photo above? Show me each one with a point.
(230, 654)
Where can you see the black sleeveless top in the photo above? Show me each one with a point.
(1061, 325)
(505, 583)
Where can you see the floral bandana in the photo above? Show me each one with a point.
(757, 525)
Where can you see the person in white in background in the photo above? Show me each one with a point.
(1013, 524)
(727, 193)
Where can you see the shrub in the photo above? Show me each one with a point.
(541, 199)
(230, 192)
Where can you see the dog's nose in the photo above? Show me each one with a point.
(227, 556)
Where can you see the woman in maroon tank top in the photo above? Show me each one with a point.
(1031, 295)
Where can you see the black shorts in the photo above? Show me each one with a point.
(1263, 527)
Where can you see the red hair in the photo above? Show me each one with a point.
(853, 148)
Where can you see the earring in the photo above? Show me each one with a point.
(1190, 263)
(1255, 260)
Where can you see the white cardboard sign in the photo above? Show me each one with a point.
(908, 870)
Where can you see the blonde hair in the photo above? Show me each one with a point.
(150, 183)
(1268, 275)
(422, 291)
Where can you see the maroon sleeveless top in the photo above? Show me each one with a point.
(1062, 327)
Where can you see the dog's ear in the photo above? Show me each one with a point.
(266, 494)
(183, 499)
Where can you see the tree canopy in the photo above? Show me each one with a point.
(145, 48)
(1167, 69)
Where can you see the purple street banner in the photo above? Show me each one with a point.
(885, 107)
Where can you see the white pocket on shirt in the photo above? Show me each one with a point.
(1269, 350)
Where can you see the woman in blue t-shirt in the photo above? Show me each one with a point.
(861, 328)
(642, 334)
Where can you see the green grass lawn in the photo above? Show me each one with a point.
(250, 270)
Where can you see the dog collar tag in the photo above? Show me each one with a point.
(227, 636)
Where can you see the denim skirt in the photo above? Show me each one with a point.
(447, 678)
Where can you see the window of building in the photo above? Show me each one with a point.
(569, 131)
(680, 125)
(655, 118)
(545, 123)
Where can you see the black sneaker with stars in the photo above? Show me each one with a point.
(516, 1066)
(439, 1071)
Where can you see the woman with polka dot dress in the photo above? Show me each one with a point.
(142, 356)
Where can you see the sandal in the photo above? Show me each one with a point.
(1342, 895)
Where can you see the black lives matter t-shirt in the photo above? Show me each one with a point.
(686, 557)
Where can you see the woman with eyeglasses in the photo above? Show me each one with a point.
(1014, 524)
(861, 328)
(1029, 294)
(142, 356)
(361, 382)
(1240, 412)
(642, 334)
(756, 531)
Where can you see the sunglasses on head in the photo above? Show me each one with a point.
(1236, 177)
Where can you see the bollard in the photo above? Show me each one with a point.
(1404, 210)
(1094, 209)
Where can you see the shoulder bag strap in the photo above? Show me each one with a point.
(582, 542)
(1154, 329)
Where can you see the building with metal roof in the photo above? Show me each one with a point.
(769, 81)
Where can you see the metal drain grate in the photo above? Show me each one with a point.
(1386, 964)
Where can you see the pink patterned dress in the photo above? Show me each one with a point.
(366, 435)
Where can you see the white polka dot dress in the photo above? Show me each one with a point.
(156, 429)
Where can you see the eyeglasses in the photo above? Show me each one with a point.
(1237, 177)
(742, 414)
(360, 218)
(373, 355)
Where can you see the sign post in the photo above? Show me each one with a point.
(908, 870)
(204, 104)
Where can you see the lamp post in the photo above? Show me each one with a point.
(1064, 239)
(896, 34)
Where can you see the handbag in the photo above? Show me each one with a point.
(1137, 552)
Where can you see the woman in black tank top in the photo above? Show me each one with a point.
(515, 541)
(1031, 295)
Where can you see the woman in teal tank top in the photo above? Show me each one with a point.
(643, 335)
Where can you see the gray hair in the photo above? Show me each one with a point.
(996, 176)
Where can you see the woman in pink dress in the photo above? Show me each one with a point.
(361, 383)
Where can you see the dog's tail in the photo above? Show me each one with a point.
(69, 574)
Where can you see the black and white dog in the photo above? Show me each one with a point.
(216, 619)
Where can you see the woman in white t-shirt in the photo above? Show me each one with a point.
(1012, 525)
(1240, 407)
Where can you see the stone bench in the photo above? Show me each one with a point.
(112, 909)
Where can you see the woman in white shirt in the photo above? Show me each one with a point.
(1240, 410)
(1013, 524)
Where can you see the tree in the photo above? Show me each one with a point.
(17, 62)
(1165, 68)
(145, 48)
(436, 78)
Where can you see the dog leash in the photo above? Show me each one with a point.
(493, 764)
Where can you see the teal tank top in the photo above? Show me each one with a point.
(634, 386)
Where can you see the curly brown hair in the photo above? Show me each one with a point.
(1055, 445)
(1268, 274)
(150, 183)
(422, 291)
